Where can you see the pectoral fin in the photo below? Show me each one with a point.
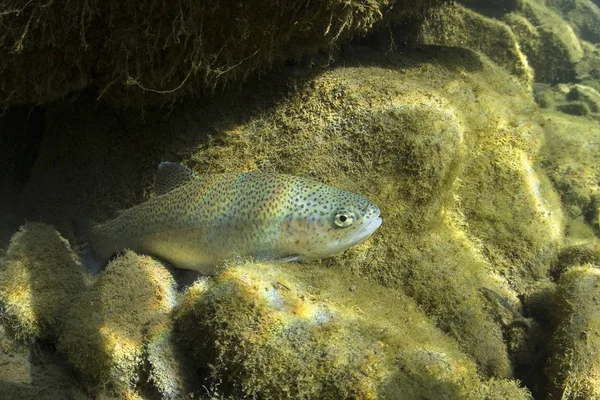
(293, 258)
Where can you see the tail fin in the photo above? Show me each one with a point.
(90, 259)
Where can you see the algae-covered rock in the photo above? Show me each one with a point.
(552, 47)
(588, 69)
(582, 15)
(579, 253)
(574, 368)
(410, 130)
(461, 27)
(575, 108)
(571, 160)
(104, 335)
(301, 331)
(572, 99)
(39, 278)
(157, 52)
(172, 371)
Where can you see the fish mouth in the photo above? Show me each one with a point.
(367, 230)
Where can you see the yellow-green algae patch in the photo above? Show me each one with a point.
(574, 368)
(105, 331)
(39, 278)
(302, 331)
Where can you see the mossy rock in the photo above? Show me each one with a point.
(172, 372)
(302, 331)
(545, 98)
(578, 108)
(570, 158)
(550, 44)
(105, 332)
(582, 15)
(574, 369)
(586, 94)
(588, 69)
(459, 26)
(40, 275)
(579, 253)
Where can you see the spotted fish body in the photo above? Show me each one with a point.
(196, 221)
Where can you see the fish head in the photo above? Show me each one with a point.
(334, 222)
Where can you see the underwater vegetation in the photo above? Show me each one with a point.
(478, 145)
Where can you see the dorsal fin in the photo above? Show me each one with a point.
(171, 175)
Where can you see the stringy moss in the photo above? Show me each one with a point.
(153, 52)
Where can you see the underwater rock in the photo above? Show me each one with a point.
(401, 141)
(544, 98)
(570, 158)
(552, 47)
(301, 331)
(172, 371)
(105, 332)
(578, 253)
(575, 108)
(582, 15)
(574, 368)
(586, 94)
(39, 278)
(588, 69)
(458, 26)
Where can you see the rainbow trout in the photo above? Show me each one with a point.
(194, 222)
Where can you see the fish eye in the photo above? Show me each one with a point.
(344, 218)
